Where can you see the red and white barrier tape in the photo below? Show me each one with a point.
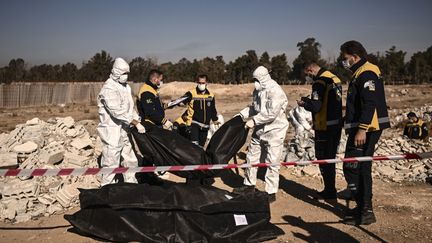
(121, 170)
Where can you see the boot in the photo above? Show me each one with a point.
(326, 195)
(352, 216)
(272, 197)
(367, 217)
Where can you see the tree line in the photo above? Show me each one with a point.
(417, 70)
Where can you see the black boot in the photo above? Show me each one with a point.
(272, 197)
(367, 217)
(352, 216)
(326, 195)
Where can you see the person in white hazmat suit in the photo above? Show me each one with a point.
(268, 118)
(117, 115)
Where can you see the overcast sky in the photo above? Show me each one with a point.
(56, 32)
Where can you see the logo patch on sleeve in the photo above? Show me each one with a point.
(370, 85)
(315, 95)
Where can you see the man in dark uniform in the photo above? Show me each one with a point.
(366, 118)
(416, 128)
(150, 107)
(152, 113)
(326, 107)
(201, 110)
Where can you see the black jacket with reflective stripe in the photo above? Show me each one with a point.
(366, 106)
(201, 107)
(150, 107)
(326, 101)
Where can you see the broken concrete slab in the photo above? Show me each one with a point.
(311, 170)
(21, 189)
(81, 143)
(68, 121)
(46, 199)
(68, 195)
(37, 210)
(386, 171)
(74, 160)
(52, 154)
(54, 208)
(26, 148)
(34, 121)
(21, 218)
(8, 160)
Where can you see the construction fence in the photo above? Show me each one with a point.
(16, 95)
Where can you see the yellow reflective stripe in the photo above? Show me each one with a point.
(146, 88)
(367, 67)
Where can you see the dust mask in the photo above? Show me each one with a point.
(202, 87)
(346, 64)
(258, 86)
(160, 84)
(123, 78)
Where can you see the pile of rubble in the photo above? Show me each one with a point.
(398, 116)
(403, 170)
(302, 148)
(56, 143)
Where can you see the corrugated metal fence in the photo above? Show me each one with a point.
(44, 94)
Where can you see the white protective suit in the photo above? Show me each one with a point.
(271, 124)
(301, 119)
(116, 112)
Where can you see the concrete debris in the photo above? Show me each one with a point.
(54, 208)
(67, 195)
(46, 199)
(52, 154)
(26, 148)
(300, 148)
(55, 143)
(22, 218)
(81, 143)
(8, 160)
(74, 160)
(312, 171)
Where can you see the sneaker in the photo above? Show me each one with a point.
(244, 189)
(326, 195)
(272, 197)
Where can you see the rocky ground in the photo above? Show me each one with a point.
(31, 209)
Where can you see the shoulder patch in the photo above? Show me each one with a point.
(315, 95)
(370, 85)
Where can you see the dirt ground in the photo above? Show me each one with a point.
(403, 211)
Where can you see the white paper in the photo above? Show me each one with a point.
(177, 101)
(240, 219)
(228, 196)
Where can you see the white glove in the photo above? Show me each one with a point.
(140, 128)
(168, 125)
(250, 123)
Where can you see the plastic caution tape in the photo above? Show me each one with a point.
(121, 170)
